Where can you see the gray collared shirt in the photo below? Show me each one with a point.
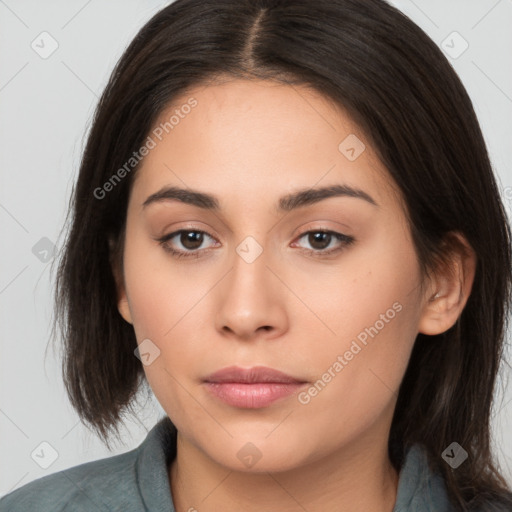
(138, 481)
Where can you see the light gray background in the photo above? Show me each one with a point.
(46, 106)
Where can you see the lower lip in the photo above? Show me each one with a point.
(254, 395)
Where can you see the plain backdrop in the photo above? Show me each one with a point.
(48, 91)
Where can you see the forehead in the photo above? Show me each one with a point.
(244, 138)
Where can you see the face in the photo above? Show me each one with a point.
(325, 290)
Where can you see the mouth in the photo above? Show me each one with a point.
(251, 388)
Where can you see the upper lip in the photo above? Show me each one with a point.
(251, 375)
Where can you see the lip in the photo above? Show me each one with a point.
(255, 374)
(251, 388)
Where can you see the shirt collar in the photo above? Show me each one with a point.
(151, 467)
(419, 488)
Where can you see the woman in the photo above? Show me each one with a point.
(287, 224)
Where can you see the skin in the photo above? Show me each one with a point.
(249, 143)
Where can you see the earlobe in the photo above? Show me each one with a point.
(122, 300)
(450, 290)
(124, 309)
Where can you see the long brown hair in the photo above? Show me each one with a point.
(392, 79)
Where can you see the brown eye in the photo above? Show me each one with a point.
(320, 240)
(187, 242)
(191, 239)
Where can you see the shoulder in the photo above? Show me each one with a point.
(132, 481)
(101, 485)
(422, 488)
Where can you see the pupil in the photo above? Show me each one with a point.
(319, 237)
(193, 239)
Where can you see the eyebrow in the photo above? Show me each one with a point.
(297, 199)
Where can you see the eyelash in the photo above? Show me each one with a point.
(345, 240)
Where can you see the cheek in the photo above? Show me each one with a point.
(357, 379)
(368, 287)
(374, 311)
(164, 307)
(151, 289)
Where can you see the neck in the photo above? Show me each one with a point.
(360, 477)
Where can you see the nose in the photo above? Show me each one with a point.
(251, 300)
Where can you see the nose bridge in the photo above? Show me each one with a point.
(250, 298)
(249, 281)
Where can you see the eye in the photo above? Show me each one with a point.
(321, 239)
(190, 239)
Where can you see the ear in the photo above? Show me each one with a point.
(450, 287)
(122, 299)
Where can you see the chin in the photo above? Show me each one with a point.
(257, 454)
(263, 462)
